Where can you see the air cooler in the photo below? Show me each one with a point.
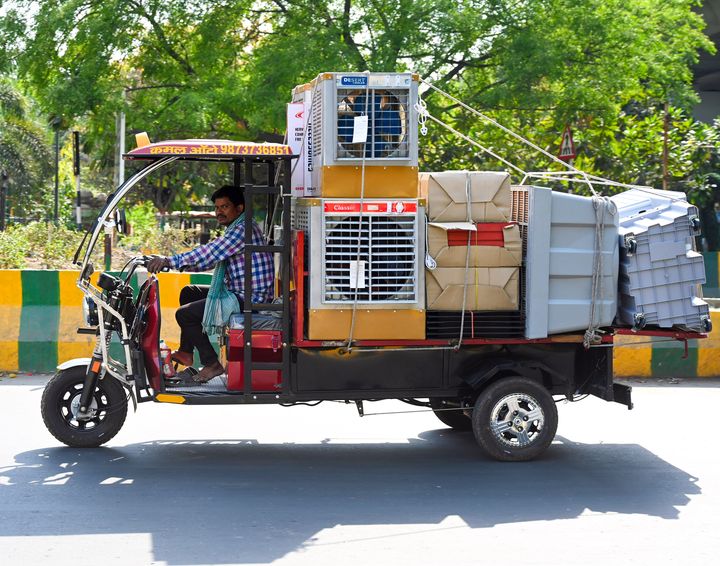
(369, 255)
(362, 121)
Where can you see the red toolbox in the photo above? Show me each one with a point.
(266, 347)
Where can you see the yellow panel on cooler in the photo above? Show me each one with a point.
(377, 324)
(345, 181)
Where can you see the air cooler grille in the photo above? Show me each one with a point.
(520, 208)
(520, 213)
(387, 123)
(316, 124)
(300, 218)
(388, 259)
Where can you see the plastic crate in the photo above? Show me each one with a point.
(661, 272)
(560, 261)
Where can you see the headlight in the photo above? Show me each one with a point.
(90, 312)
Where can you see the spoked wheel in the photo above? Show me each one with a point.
(60, 405)
(455, 419)
(515, 419)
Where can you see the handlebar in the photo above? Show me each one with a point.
(133, 263)
(147, 258)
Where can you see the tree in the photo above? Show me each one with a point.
(225, 68)
(25, 155)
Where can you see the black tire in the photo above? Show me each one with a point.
(515, 419)
(454, 419)
(56, 406)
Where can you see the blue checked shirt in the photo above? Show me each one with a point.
(231, 246)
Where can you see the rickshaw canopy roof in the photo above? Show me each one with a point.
(209, 149)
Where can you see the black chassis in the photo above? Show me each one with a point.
(334, 373)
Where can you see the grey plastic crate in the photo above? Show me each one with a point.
(661, 272)
(561, 232)
(691, 313)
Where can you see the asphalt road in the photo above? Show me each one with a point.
(259, 485)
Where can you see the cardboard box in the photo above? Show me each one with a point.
(491, 244)
(446, 193)
(488, 288)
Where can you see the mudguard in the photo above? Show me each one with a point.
(74, 363)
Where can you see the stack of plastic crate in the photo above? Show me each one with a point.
(661, 272)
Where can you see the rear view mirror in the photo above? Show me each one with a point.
(121, 224)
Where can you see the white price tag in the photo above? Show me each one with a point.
(360, 129)
(357, 274)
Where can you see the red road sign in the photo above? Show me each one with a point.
(567, 145)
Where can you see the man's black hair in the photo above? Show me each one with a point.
(235, 194)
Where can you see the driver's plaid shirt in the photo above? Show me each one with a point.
(231, 246)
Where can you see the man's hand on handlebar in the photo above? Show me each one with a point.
(158, 263)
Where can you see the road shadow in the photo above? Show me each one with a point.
(227, 501)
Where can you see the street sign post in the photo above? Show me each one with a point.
(76, 172)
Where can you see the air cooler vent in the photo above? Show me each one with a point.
(316, 107)
(387, 111)
(387, 266)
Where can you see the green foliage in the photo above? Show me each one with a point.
(171, 240)
(52, 246)
(12, 248)
(42, 245)
(37, 244)
(150, 238)
(141, 219)
(24, 151)
(225, 69)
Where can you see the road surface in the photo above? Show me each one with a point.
(258, 485)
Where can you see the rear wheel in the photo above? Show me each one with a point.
(450, 414)
(61, 402)
(515, 419)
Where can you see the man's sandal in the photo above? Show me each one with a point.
(190, 377)
(184, 378)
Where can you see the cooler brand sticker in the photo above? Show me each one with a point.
(354, 81)
(385, 207)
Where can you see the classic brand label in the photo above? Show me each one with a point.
(385, 207)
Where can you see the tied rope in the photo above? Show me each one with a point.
(220, 302)
(360, 221)
(571, 174)
(468, 214)
(592, 336)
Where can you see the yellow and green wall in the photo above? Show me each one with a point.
(40, 312)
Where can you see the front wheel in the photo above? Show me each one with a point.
(515, 419)
(61, 402)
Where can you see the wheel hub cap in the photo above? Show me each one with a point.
(75, 408)
(517, 419)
